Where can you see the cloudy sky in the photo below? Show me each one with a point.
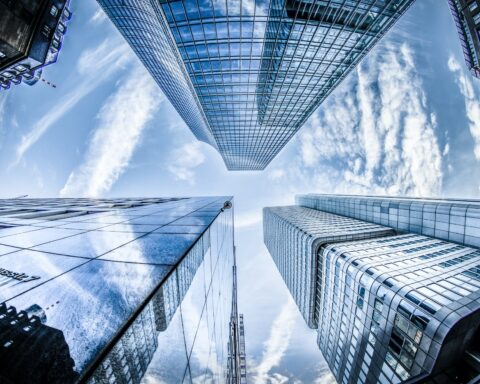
(405, 122)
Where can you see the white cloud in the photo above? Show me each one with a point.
(123, 118)
(276, 174)
(248, 219)
(472, 101)
(184, 160)
(446, 149)
(374, 134)
(276, 345)
(94, 67)
(325, 376)
(98, 17)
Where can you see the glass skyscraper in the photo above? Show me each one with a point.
(117, 290)
(466, 15)
(390, 304)
(245, 75)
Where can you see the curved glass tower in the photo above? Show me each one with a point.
(392, 285)
(245, 75)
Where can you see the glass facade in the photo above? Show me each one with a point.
(447, 219)
(466, 15)
(389, 307)
(256, 69)
(115, 290)
(292, 234)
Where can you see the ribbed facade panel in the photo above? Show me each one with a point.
(294, 234)
(389, 306)
(447, 219)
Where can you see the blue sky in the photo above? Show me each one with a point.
(405, 122)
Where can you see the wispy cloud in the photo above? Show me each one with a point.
(248, 219)
(324, 376)
(375, 133)
(98, 17)
(276, 345)
(123, 118)
(94, 67)
(276, 174)
(182, 161)
(472, 101)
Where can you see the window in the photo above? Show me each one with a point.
(54, 11)
(61, 27)
(56, 215)
(361, 296)
(67, 14)
(46, 31)
(21, 68)
(8, 75)
(56, 43)
(2, 55)
(473, 6)
(476, 18)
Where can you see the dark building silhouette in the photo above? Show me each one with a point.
(31, 35)
(32, 352)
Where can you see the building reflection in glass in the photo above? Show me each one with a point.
(139, 289)
(389, 306)
(30, 351)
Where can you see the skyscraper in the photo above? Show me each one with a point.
(236, 367)
(245, 75)
(31, 35)
(466, 15)
(389, 303)
(112, 290)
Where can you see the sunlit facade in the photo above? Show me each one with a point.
(247, 74)
(454, 220)
(116, 290)
(466, 15)
(391, 307)
(292, 234)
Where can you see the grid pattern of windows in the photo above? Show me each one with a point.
(388, 307)
(466, 15)
(448, 219)
(144, 279)
(258, 68)
(143, 26)
(399, 300)
(292, 234)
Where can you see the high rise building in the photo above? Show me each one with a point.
(245, 75)
(392, 285)
(466, 15)
(237, 365)
(31, 35)
(116, 290)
